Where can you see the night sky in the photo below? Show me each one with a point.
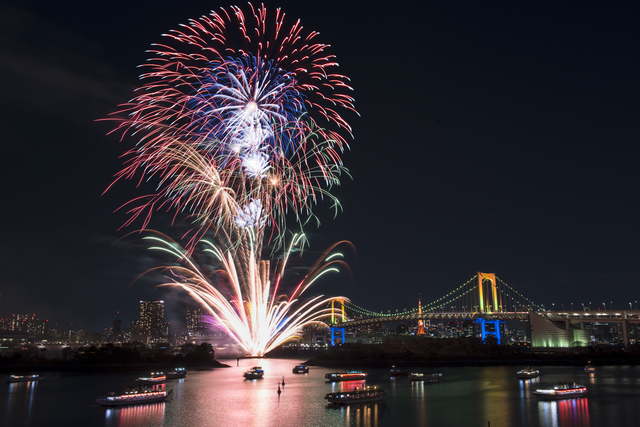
(493, 137)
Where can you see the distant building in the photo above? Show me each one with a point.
(195, 326)
(27, 323)
(151, 323)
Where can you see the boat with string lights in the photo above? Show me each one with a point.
(24, 378)
(154, 378)
(563, 390)
(254, 373)
(349, 375)
(357, 395)
(176, 373)
(300, 369)
(395, 372)
(427, 377)
(134, 396)
(528, 372)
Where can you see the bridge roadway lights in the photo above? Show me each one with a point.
(333, 335)
(496, 325)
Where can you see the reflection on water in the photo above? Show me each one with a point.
(359, 414)
(346, 385)
(565, 413)
(135, 415)
(20, 399)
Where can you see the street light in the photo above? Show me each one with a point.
(605, 306)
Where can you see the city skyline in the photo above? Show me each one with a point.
(495, 139)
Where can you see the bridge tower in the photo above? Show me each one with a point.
(485, 306)
(341, 331)
(420, 319)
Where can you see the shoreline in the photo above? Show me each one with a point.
(108, 367)
(524, 361)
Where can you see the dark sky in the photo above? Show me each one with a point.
(493, 137)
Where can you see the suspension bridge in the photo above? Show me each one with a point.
(488, 301)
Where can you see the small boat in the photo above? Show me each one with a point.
(357, 395)
(563, 390)
(428, 377)
(301, 369)
(24, 378)
(254, 373)
(590, 368)
(394, 372)
(528, 372)
(176, 373)
(154, 378)
(349, 375)
(134, 396)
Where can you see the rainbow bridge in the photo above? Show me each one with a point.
(487, 300)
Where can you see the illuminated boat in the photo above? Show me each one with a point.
(590, 368)
(397, 372)
(528, 372)
(23, 378)
(563, 390)
(357, 395)
(301, 369)
(429, 377)
(135, 396)
(255, 373)
(349, 375)
(154, 378)
(176, 373)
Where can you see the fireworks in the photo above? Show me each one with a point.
(243, 92)
(250, 311)
(227, 125)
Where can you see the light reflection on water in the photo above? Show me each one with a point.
(565, 413)
(466, 396)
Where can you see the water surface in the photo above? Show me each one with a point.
(466, 396)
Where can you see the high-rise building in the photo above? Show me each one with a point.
(152, 320)
(195, 326)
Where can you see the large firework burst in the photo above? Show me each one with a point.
(243, 92)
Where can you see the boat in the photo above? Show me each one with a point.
(154, 378)
(590, 368)
(134, 396)
(421, 376)
(357, 395)
(301, 369)
(528, 372)
(24, 378)
(349, 375)
(255, 373)
(394, 372)
(176, 373)
(563, 390)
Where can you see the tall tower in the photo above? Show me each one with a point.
(152, 319)
(420, 319)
